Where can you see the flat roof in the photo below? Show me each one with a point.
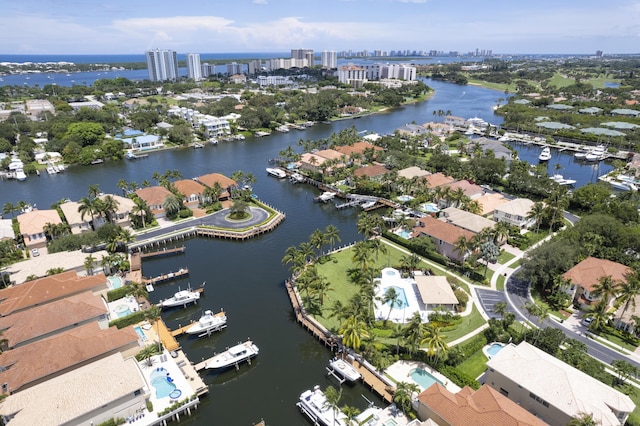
(434, 289)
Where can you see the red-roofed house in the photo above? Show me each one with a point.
(374, 172)
(357, 148)
(585, 275)
(225, 183)
(437, 179)
(154, 196)
(192, 192)
(444, 236)
(483, 407)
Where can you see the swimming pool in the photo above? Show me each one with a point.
(404, 234)
(390, 272)
(140, 333)
(493, 349)
(402, 301)
(390, 422)
(423, 377)
(122, 310)
(162, 382)
(115, 281)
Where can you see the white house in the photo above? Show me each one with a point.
(515, 212)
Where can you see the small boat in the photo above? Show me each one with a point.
(580, 155)
(208, 323)
(368, 205)
(240, 137)
(325, 197)
(98, 161)
(313, 404)
(213, 141)
(596, 154)
(344, 369)
(545, 155)
(181, 298)
(276, 172)
(233, 356)
(149, 287)
(282, 129)
(560, 180)
(296, 178)
(197, 145)
(130, 156)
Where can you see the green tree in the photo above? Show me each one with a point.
(333, 397)
(403, 396)
(171, 205)
(353, 330)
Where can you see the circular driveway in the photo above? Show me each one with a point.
(219, 219)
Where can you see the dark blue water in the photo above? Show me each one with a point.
(246, 278)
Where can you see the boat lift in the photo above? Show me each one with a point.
(332, 372)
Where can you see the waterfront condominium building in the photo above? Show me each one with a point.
(194, 68)
(162, 65)
(329, 59)
(352, 75)
(303, 54)
(235, 68)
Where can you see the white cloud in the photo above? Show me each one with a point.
(260, 2)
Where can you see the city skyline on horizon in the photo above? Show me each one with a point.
(37, 27)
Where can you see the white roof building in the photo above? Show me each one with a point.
(553, 390)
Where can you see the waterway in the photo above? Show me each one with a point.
(246, 278)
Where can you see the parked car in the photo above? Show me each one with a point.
(35, 252)
(587, 321)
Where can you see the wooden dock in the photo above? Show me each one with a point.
(164, 252)
(168, 341)
(182, 272)
(180, 331)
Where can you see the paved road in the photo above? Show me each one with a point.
(517, 296)
(489, 298)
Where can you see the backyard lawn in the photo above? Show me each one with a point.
(475, 365)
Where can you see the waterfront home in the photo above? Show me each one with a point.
(454, 121)
(79, 224)
(470, 190)
(553, 390)
(515, 213)
(412, 130)
(311, 162)
(112, 387)
(32, 226)
(48, 289)
(435, 180)
(121, 215)
(358, 148)
(225, 183)
(74, 219)
(499, 150)
(482, 407)
(490, 201)
(444, 236)
(192, 192)
(413, 172)
(583, 278)
(374, 172)
(154, 196)
(435, 292)
(465, 220)
(28, 365)
(39, 322)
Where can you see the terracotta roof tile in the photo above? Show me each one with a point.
(187, 187)
(437, 179)
(358, 148)
(441, 230)
(211, 178)
(589, 271)
(371, 171)
(153, 195)
(33, 222)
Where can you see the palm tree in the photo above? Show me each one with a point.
(500, 308)
(140, 208)
(362, 255)
(8, 208)
(109, 207)
(414, 331)
(435, 342)
(153, 314)
(537, 213)
(462, 246)
(403, 395)
(171, 205)
(333, 397)
(600, 315)
(89, 263)
(605, 288)
(146, 353)
(94, 190)
(332, 234)
(628, 291)
(353, 330)
(583, 419)
(88, 206)
(351, 413)
(391, 297)
(318, 239)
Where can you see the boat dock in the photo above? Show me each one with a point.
(166, 277)
(377, 383)
(164, 252)
(168, 341)
(180, 331)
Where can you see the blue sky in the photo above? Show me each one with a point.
(209, 26)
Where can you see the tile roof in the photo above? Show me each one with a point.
(489, 202)
(33, 222)
(483, 407)
(413, 171)
(47, 289)
(211, 178)
(518, 207)
(471, 190)
(54, 355)
(153, 195)
(441, 230)
(188, 187)
(357, 148)
(71, 213)
(436, 179)
(469, 221)
(40, 321)
(561, 385)
(64, 399)
(590, 270)
(371, 171)
(329, 154)
(435, 289)
(124, 204)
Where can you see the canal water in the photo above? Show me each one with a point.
(246, 278)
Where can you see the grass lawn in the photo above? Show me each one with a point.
(615, 339)
(559, 80)
(475, 365)
(468, 324)
(539, 301)
(504, 257)
(516, 264)
(500, 282)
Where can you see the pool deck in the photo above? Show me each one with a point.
(129, 301)
(400, 371)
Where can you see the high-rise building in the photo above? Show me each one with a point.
(208, 69)
(194, 68)
(303, 54)
(234, 68)
(255, 66)
(162, 65)
(329, 59)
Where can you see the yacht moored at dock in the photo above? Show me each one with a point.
(233, 356)
(596, 154)
(325, 197)
(545, 155)
(208, 323)
(181, 298)
(276, 172)
(313, 404)
(343, 370)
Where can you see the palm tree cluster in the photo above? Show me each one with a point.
(484, 245)
(97, 205)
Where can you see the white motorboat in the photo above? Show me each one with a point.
(313, 404)
(580, 155)
(545, 155)
(208, 323)
(560, 180)
(213, 141)
(197, 145)
(368, 205)
(276, 172)
(325, 196)
(296, 178)
(344, 369)
(233, 355)
(181, 298)
(596, 154)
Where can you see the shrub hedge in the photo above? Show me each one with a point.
(459, 377)
(130, 319)
(118, 293)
